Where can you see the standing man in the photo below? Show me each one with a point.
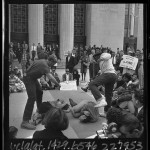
(92, 64)
(39, 49)
(107, 78)
(33, 51)
(70, 62)
(33, 88)
(25, 46)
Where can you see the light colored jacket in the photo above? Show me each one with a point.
(105, 63)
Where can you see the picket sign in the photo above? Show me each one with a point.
(129, 62)
(68, 85)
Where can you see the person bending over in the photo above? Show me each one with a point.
(33, 88)
(55, 121)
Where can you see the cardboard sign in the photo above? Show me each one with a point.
(68, 85)
(129, 62)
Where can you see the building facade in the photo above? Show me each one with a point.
(77, 25)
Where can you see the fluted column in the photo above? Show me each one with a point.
(35, 24)
(132, 19)
(105, 25)
(140, 28)
(66, 28)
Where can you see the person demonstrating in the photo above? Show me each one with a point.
(33, 88)
(107, 78)
(67, 76)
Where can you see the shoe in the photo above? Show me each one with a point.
(101, 103)
(27, 125)
(102, 115)
(72, 103)
(84, 89)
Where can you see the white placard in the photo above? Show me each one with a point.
(68, 85)
(129, 62)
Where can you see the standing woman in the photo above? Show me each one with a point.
(19, 52)
(84, 65)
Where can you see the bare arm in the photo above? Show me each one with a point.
(50, 77)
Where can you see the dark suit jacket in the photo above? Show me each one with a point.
(71, 62)
(49, 134)
(64, 77)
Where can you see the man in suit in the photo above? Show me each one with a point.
(67, 76)
(70, 62)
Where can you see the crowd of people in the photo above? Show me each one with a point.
(117, 89)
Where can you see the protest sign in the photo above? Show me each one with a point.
(129, 62)
(68, 85)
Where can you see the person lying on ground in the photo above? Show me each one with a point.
(85, 111)
(38, 116)
(55, 121)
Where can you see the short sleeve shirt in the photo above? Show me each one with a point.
(38, 68)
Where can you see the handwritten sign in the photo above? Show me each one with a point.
(129, 62)
(68, 85)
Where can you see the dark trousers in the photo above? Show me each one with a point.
(93, 70)
(33, 55)
(35, 93)
(106, 79)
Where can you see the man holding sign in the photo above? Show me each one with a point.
(129, 64)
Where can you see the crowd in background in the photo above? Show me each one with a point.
(127, 92)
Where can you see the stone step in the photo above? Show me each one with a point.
(60, 65)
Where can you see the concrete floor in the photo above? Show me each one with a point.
(17, 103)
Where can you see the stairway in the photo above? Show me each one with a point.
(61, 65)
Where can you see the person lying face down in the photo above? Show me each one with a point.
(85, 111)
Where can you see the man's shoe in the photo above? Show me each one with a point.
(101, 103)
(27, 125)
(84, 89)
(72, 103)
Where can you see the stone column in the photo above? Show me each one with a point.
(132, 14)
(9, 7)
(66, 29)
(105, 25)
(35, 24)
(140, 28)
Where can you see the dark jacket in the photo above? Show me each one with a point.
(49, 134)
(71, 62)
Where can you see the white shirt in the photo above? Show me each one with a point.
(33, 48)
(67, 77)
(105, 64)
